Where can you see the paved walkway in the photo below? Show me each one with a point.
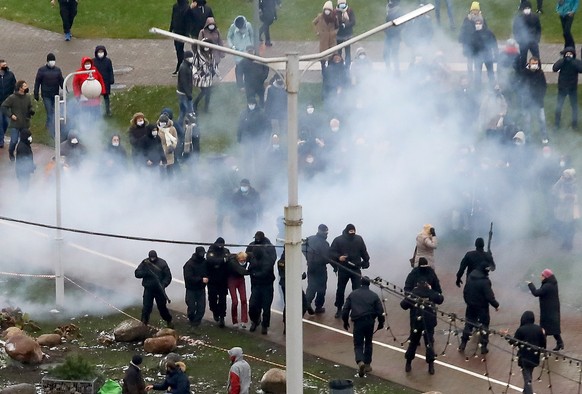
(151, 61)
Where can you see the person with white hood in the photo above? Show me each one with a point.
(239, 375)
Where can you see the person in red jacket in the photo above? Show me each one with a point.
(90, 107)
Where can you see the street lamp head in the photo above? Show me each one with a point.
(91, 88)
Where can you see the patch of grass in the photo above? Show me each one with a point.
(133, 18)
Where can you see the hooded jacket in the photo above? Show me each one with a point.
(239, 375)
(240, 38)
(21, 106)
(326, 27)
(351, 245)
(105, 68)
(136, 133)
(425, 245)
(478, 292)
(475, 259)
(423, 273)
(549, 304)
(316, 252)
(133, 382)
(534, 87)
(423, 315)
(217, 258)
(78, 80)
(262, 264)
(185, 77)
(176, 381)
(24, 158)
(212, 36)
(7, 84)
(154, 273)
(533, 334)
(527, 28)
(197, 17)
(569, 70)
(195, 270)
(180, 14)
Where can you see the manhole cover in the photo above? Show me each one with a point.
(122, 70)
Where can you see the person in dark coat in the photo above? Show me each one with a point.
(527, 30)
(350, 255)
(24, 159)
(74, 150)
(218, 266)
(48, 81)
(423, 319)
(392, 38)
(133, 382)
(549, 306)
(528, 358)
(104, 65)
(276, 104)
(565, 195)
(483, 50)
(346, 19)
(184, 86)
(68, 11)
(247, 209)
(115, 156)
(252, 125)
(254, 75)
(466, 33)
(199, 12)
(569, 67)
(474, 259)
(7, 86)
(534, 85)
(179, 25)
(153, 151)
(363, 306)
(176, 381)
(195, 280)
(316, 252)
(19, 110)
(267, 15)
(478, 295)
(262, 273)
(139, 127)
(422, 273)
(335, 81)
(155, 276)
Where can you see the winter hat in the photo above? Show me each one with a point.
(341, 2)
(24, 134)
(360, 51)
(568, 49)
(163, 118)
(519, 137)
(426, 228)
(152, 254)
(136, 359)
(245, 182)
(188, 54)
(547, 273)
(219, 241)
(365, 281)
(259, 236)
(350, 227)
(323, 228)
(475, 6)
(524, 4)
(50, 56)
(328, 5)
(479, 243)
(136, 116)
(239, 22)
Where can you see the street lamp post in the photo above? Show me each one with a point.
(293, 211)
(89, 90)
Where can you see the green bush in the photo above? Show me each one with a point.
(75, 367)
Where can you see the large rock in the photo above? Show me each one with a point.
(160, 345)
(22, 388)
(49, 340)
(11, 331)
(274, 381)
(24, 349)
(166, 331)
(131, 331)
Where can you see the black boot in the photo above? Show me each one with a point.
(221, 322)
(408, 366)
(463, 345)
(338, 313)
(431, 368)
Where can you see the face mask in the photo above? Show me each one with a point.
(335, 129)
(100, 55)
(211, 27)
(362, 57)
(527, 11)
(309, 160)
(310, 110)
(115, 143)
(534, 67)
(74, 141)
(26, 90)
(276, 146)
(152, 259)
(562, 164)
(244, 189)
(155, 133)
(30, 139)
(569, 57)
(163, 124)
(252, 106)
(51, 63)
(190, 60)
(87, 67)
(327, 12)
(206, 49)
(478, 26)
(342, 6)
(140, 122)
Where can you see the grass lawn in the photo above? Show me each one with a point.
(133, 18)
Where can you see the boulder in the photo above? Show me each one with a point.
(166, 331)
(11, 331)
(160, 345)
(24, 349)
(22, 388)
(49, 340)
(274, 381)
(131, 331)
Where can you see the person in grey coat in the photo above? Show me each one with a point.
(316, 251)
(549, 306)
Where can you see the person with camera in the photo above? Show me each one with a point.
(426, 243)
(18, 109)
(350, 255)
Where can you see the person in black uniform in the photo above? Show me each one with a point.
(195, 280)
(423, 320)
(350, 255)
(422, 273)
(155, 276)
(474, 259)
(217, 258)
(364, 307)
(262, 272)
(316, 251)
(478, 295)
